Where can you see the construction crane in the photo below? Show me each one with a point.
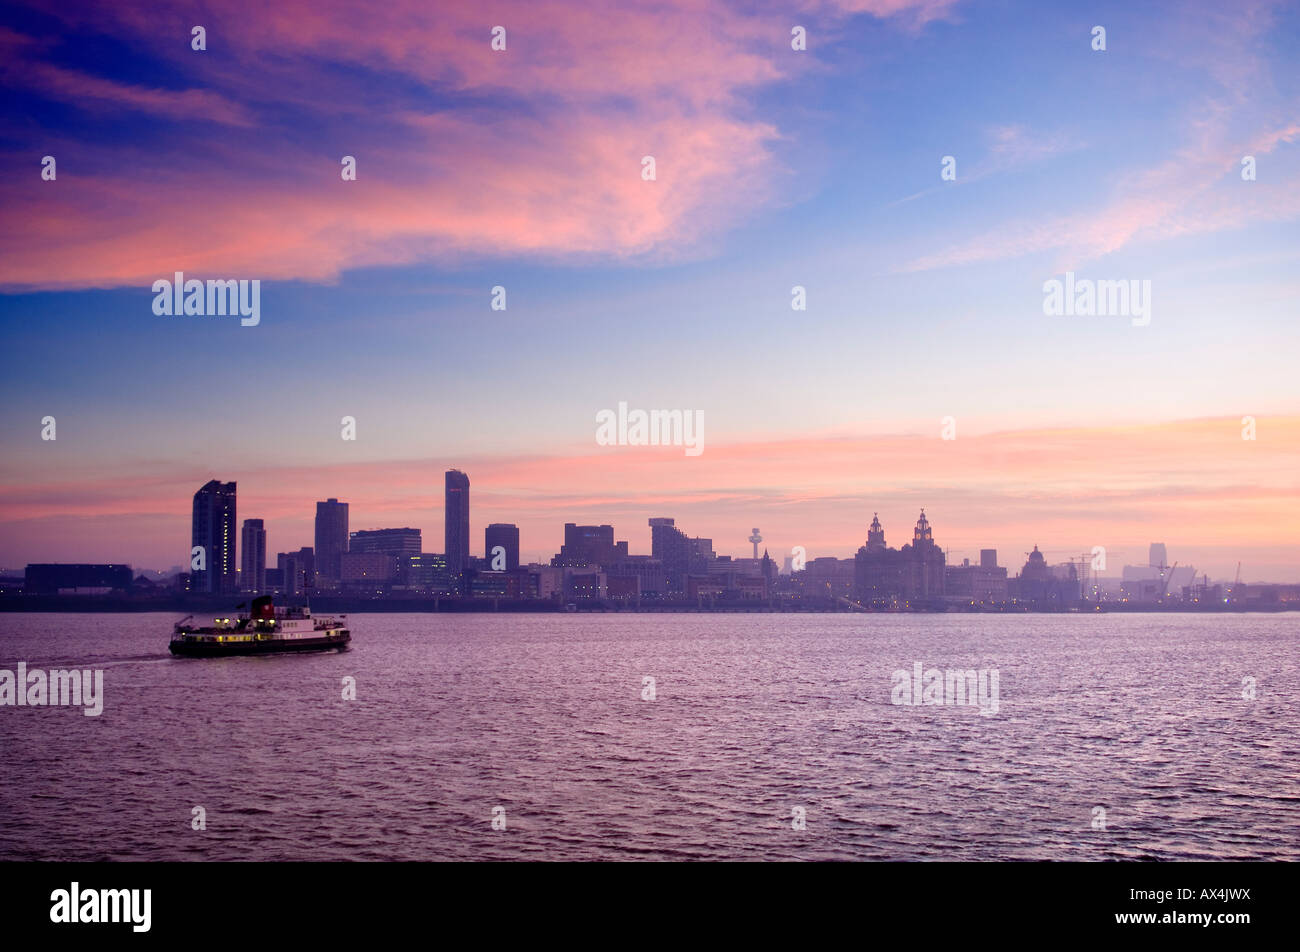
(1168, 578)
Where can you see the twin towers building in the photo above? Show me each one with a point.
(910, 577)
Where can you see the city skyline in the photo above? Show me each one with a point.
(332, 519)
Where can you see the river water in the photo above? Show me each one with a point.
(761, 736)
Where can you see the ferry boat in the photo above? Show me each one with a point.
(265, 629)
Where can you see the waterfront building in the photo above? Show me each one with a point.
(456, 521)
(910, 577)
(331, 540)
(252, 546)
(506, 536)
(212, 530)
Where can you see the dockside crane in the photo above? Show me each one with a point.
(1168, 579)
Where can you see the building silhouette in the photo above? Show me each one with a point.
(76, 579)
(456, 521)
(1045, 587)
(680, 555)
(910, 577)
(399, 543)
(984, 585)
(505, 535)
(588, 545)
(213, 531)
(331, 538)
(252, 549)
(296, 571)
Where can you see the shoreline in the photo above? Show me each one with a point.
(96, 604)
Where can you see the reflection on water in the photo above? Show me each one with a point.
(759, 724)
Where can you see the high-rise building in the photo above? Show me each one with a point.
(456, 521)
(505, 535)
(1157, 557)
(331, 538)
(681, 555)
(588, 545)
(252, 567)
(399, 543)
(213, 532)
(670, 546)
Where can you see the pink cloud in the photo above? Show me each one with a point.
(557, 175)
(570, 187)
(1178, 196)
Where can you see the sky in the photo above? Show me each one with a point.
(522, 168)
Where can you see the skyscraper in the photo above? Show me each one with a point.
(1157, 557)
(213, 533)
(252, 568)
(505, 535)
(456, 521)
(671, 546)
(331, 538)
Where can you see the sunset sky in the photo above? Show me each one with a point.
(775, 168)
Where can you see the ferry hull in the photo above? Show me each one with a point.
(335, 641)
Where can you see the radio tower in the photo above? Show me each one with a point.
(756, 539)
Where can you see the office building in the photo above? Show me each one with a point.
(982, 585)
(252, 566)
(681, 555)
(297, 571)
(505, 536)
(331, 538)
(366, 569)
(456, 521)
(399, 543)
(212, 540)
(588, 545)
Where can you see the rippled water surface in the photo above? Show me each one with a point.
(754, 716)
